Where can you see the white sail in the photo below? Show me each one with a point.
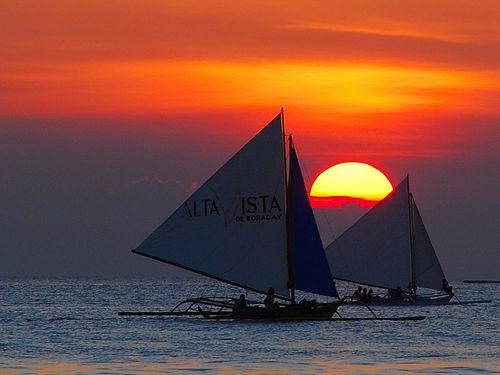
(428, 271)
(233, 228)
(376, 249)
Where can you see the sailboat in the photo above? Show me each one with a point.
(241, 227)
(389, 247)
(251, 225)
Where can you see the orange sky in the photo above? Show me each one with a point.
(124, 58)
(399, 79)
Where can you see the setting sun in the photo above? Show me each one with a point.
(352, 180)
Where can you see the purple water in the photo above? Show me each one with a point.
(71, 326)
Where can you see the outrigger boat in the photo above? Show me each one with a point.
(250, 225)
(219, 308)
(389, 248)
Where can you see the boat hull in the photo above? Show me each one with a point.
(442, 299)
(318, 311)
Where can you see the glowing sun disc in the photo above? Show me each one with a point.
(352, 179)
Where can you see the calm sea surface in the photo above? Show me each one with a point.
(71, 326)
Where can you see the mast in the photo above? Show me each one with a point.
(412, 239)
(289, 231)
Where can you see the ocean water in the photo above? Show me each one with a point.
(72, 326)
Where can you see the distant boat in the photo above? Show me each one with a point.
(389, 248)
(250, 225)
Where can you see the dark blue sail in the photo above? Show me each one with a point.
(312, 272)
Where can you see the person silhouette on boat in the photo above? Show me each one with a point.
(364, 295)
(269, 300)
(357, 294)
(240, 304)
(395, 293)
(446, 287)
(369, 296)
(413, 287)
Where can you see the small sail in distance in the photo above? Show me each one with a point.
(388, 247)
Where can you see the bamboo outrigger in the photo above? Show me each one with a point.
(219, 308)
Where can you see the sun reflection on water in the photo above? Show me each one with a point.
(188, 365)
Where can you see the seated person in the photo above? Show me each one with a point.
(269, 300)
(364, 296)
(240, 304)
(413, 287)
(369, 296)
(395, 293)
(446, 287)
